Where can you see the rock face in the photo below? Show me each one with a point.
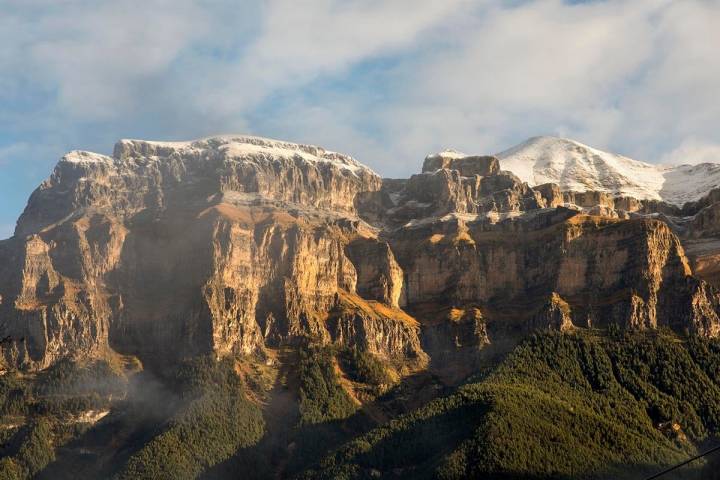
(156, 176)
(380, 329)
(467, 166)
(555, 314)
(171, 249)
(595, 271)
(232, 245)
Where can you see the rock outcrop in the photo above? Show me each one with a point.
(171, 249)
(555, 314)
(467, 166)
(232, 245)
(385, 331)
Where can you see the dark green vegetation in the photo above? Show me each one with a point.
(587, 405)
(30, 451)
(366, 368)
(64, 389)
(322, 398)
(560, 406)
(38, 413)
(213, 422)
(174, 427)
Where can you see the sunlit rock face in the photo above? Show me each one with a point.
(170, 249)
(233, 245)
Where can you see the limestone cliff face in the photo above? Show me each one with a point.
(706, 222)
(379, 277)
(53, 298)
(467, 166)
(171, 249)
(380, 329)
(453, 333)
(446, 190)
(596, 271)
(232, 245)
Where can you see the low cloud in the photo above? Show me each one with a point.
(693, 151)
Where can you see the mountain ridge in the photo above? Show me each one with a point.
(282, 241)
(252, 305)
(579, 167)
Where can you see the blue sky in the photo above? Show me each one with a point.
(385, 81)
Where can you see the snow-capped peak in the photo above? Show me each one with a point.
(575, 166)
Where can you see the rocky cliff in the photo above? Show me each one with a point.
(171, 249)
(237, 244)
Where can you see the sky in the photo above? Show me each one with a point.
(386, 81)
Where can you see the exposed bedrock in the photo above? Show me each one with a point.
(595, 271)
(232, 245)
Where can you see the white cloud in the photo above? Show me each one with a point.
(635, 77)
(693, 151)
(543, 67)
(95, 54)
(322, 38)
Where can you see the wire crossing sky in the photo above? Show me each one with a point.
(385, 81)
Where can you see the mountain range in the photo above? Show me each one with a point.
(241, 307)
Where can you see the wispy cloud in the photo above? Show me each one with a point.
(693, 151)
(385, 81)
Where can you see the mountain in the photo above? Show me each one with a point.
(577, 167)
(281, 241)
(195, 309)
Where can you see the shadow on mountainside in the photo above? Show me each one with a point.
(289, 448)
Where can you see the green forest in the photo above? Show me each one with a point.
(588, 405)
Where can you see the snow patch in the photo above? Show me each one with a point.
(575, 166)
(81, 156)
(448, 153)
(248, 147)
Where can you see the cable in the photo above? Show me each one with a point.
(675, 467)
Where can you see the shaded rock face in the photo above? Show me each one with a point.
(706, 222)
(379, 277)
(385, 331)
(453, 333)
(553, 315)
(233, 245)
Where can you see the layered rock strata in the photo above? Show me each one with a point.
(231, 245)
